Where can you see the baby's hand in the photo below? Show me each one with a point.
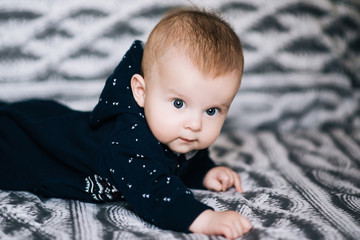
(228, 223)
(222, 178)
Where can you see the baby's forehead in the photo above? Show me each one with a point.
(198, 61)
(177, 64)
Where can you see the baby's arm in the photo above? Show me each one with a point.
(227, 223)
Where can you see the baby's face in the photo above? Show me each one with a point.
(184, 108)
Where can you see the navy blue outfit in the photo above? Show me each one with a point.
(105, 155)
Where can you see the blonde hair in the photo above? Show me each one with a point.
(209, 42)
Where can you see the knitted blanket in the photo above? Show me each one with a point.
(293, 132)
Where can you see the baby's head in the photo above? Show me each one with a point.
(191, 71)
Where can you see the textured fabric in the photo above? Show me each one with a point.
(293, 133)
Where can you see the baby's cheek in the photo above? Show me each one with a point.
(209, 136)
(160, 129)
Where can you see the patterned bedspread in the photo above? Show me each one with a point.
(293, 133)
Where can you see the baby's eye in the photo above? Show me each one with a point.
(178, 103)
(211, 111)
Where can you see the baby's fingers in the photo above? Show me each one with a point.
(236, 228)
(246, 225)
(240, 228)
(226, 179)
(237, 182)
(232, 233)
(214, 184)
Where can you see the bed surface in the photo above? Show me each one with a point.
(293, 133)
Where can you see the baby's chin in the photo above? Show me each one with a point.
(182, 150)
(184, 147)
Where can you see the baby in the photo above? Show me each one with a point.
(146, 140)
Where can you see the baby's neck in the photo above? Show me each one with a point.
(187, 155)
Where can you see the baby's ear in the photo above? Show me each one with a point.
(138, 89)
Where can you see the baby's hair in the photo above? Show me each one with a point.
(208, 40)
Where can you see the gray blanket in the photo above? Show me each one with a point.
(293, 133)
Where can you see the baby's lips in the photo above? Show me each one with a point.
(187, 140)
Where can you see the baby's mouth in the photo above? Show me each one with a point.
(187, 140)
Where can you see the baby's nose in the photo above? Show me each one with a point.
(194, 123)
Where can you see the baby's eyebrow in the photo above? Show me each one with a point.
(176, 92)
(224, 106)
